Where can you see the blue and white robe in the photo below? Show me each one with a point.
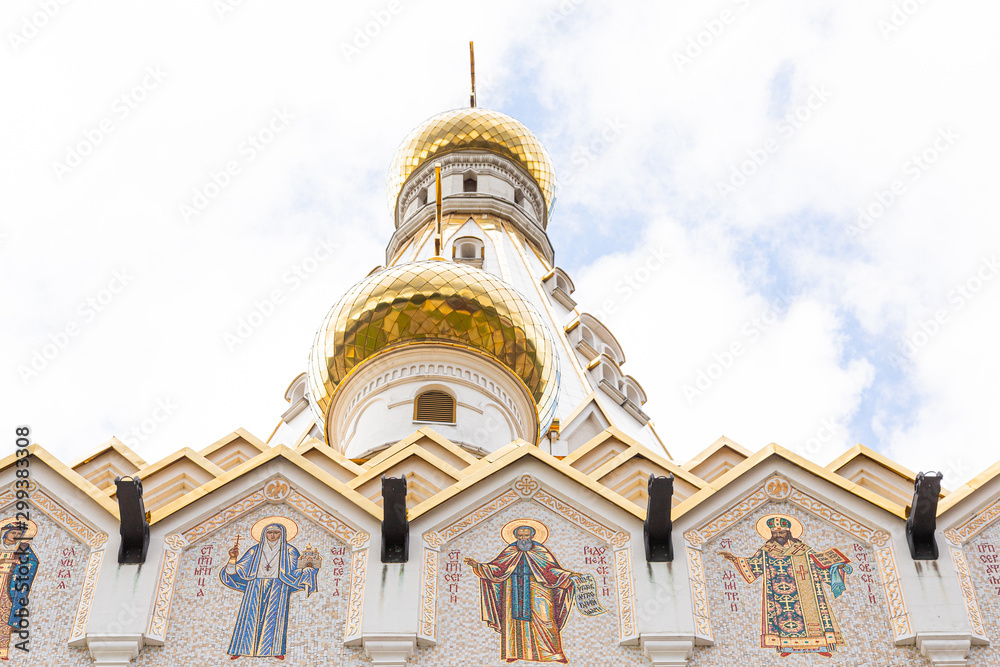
(262, 622)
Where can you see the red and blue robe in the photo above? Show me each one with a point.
(526, 597)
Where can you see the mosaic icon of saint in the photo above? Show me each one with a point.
(526, 596)
(796, 614)
(267, 574)
(18, 565)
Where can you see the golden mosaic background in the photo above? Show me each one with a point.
(476, 128)
(435, 301)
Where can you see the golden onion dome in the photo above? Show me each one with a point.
(478, 129)
(435, 301)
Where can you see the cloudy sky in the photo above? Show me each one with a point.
(820, 178)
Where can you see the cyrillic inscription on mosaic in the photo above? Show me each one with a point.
(18, 566)
(267, 574)
(527, 597)
(796, 614)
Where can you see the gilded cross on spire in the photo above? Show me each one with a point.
(472, 67)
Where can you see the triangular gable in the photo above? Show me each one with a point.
(717, 459)
(234, 449)
(877, 473)
(112, 459)
(773, 450)
(71, 476)
(426, 475)
(430, 441)
(330, 460)
(596, 452)
(173, 476)
(509, 455)
(624, 465)
(278, 452)
(585, 423)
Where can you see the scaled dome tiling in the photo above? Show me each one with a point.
(472, 128)
(435, 301)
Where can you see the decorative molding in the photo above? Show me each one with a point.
(472, 519)
(389, 650)
(864, 533)
(114, 650)
(277, 490)
(219, 519)
(968, 529)
(777, 488)
(95, 539)
(428, 600)
(899, 618)
(359, 566)
(698, 536)
(699, 596)
(423, 371)
(968, 592)
(526, 485)
(944, 649)
(567, 511)
(626, 607)
(356, 538)
(156, 630)
(667, 650)
(87, 595)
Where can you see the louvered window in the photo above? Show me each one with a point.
(434, 406)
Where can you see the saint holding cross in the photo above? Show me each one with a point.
(267, 574)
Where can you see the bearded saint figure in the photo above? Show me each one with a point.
(525, 595)
(267, 574)
(796, 615)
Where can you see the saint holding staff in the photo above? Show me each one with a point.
(267, 574)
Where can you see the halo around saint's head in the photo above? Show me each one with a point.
(793, 525)
(291, 528)
(29, 527)
(541, 530)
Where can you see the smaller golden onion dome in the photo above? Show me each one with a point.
(435, 301)
(476, 129)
